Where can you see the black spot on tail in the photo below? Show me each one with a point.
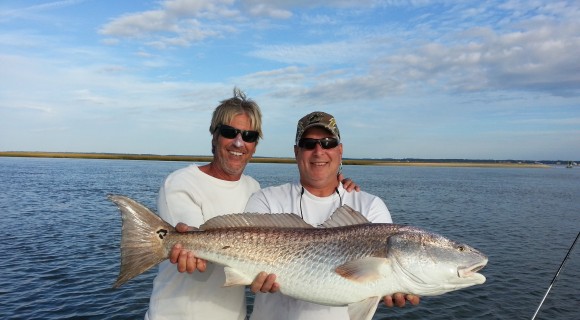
(162, 233)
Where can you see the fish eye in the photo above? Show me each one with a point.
(461, 248)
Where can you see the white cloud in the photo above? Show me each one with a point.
(139, 25)
(445, 80)
(177, 23)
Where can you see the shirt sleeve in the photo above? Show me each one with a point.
(258, 203)
(175, 205)
(379, 213)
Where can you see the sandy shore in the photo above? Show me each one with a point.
(421, 163)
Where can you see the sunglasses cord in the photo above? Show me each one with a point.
(302, 192)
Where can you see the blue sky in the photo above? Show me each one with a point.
(405, 79)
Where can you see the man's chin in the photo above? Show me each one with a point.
(235, 167)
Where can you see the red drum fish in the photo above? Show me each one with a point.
(347, 261)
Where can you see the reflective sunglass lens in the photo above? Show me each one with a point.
(250, 136)
(231, 133)
(310, 144)
(328, 143)
(325, 143)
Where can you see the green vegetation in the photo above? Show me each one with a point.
(380, 162)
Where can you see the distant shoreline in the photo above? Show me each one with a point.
(376, 162)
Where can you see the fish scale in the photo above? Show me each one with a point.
(310, 256)
(346, 262)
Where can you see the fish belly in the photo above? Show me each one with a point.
(304, 263)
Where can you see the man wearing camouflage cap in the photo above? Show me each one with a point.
(318, 152)
(317, 119)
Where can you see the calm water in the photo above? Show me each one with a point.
(61, 235)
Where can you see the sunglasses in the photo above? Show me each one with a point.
(231, 132)
(325, 143)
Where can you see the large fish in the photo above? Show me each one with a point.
(347, 261)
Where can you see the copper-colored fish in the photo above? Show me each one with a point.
(347, 261)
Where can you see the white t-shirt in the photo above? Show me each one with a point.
(188, 195)
(314, 210)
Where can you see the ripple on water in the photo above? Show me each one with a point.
(61, 234)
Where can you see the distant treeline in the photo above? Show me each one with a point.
(490, 161)
(346, 161)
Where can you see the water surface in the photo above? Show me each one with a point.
(61, 234)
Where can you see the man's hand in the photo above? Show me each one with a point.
(265, 283)
(185, 260)
(400, 300)
(347, 183)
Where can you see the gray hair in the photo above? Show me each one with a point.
(237, 105)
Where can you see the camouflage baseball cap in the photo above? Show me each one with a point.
(317, 119)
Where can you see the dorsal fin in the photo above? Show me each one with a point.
(277, 220)
(344, 216)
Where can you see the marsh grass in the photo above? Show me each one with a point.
(374, 162)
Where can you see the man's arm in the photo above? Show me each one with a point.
(348, 184)
(178, 208)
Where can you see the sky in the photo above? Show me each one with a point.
(404, 79)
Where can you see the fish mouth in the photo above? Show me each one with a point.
(471, 271)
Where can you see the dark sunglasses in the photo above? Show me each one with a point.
(231, 132)
(325, 143)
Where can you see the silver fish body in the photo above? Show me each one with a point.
(345, 262)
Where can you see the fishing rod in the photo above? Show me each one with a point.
(556, 276)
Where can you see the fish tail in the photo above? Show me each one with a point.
(142, 237)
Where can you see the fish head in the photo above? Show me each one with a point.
(432, 264)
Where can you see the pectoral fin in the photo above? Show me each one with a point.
(363, 310)
(362, 270)
(236, 278)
